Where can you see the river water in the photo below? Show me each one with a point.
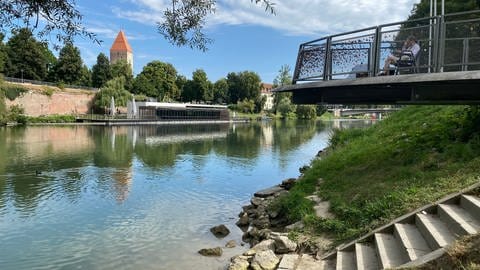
(89, 197)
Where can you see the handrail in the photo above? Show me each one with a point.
(336, 56)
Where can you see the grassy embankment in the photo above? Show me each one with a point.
(373, 175)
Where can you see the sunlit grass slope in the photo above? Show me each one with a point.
(373, 175)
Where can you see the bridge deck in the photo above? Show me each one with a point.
(425, 88)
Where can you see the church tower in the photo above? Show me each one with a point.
(121, 50)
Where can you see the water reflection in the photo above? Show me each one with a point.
(131, 192)
(40, 161)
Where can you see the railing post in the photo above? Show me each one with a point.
(439, 41)
(296, 72)
(328, 59)
(376, 50)
(465, 54)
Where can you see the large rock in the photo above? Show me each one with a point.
(231, 244)
(268, 192)
(261, 222)
(256, 201)
(243, 221)
(220, 231)
(265, 260)
(288, 262)
(288, 183)
(268, 244)
(284, 245)
(239, 263)
(211, 252)
(295, 226)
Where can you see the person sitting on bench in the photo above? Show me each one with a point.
(409, 46)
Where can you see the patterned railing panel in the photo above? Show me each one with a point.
(448, 43)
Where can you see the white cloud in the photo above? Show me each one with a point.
(112, 32)
(314, 17)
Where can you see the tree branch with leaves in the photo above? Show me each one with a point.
(58, 17)
(184, 23)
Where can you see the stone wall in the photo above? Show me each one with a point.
(62, 102)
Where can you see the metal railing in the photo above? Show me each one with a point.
(448, 43)
(20, 80)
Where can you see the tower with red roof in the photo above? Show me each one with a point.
(121, 50)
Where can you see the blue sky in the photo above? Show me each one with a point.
(245, 36)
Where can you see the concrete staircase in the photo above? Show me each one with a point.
(412, 239)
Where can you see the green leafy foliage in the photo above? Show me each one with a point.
(220, 91)
(101, 72)
(306, 111)
(157, 79)
(286, 108)
(122, 68)
(243, 85)
(183, 23)
(12, 91)
(48, 91)
(52, 119)
(69, 65)
(199, 88)
(114, 88)
(25, 56)
(60, 18)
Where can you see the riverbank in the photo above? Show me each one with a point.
(373, 175)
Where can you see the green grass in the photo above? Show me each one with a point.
(52, 119)
(373, 175)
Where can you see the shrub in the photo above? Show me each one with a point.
(48, 91)
(306, 111)
(12, 91)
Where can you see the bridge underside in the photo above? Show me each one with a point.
(432, 88)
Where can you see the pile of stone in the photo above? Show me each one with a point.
(265, 231)
(258, 215)
(267, 254)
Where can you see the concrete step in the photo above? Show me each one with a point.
(434, 230)
(326, 265)
(458, 220)
(471, 204)
(346, 260)
(412, 240)
(366, 258)
(389, 250)
(307, 262)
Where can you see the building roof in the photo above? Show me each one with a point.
(266, 87)
(121, 43)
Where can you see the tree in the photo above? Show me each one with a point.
(122, 68)
(243, 85)
(283, 78)
(306, 111)
(220, 91)
(101, 72)
(181, 81)
(202, 85)
(183, 23)
(25, 56)
(3, 54)
(58, 17)
(114, 88)
(85, 76)
(69, 65)
(246, 106)
(157, 79)
(286, 108)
